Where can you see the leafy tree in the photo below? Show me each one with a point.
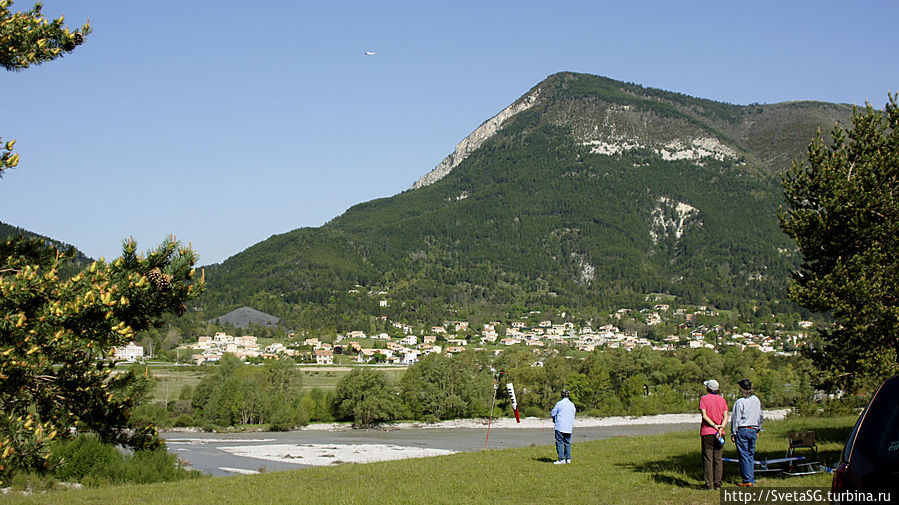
(283, 393)
(447, 387)
(56, 338)
(365, 397)
(843, 212)
(28, 38)
(56, 335)
(237, 394)
(318, 405)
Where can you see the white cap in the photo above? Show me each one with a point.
(711, 384)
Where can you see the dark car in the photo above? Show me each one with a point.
(870, 460)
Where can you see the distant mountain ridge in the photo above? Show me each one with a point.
(752, 133)
(81, 260)
(584, 193)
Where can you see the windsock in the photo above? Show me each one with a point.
(511, 389)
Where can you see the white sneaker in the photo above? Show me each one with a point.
(560, 462)
(567, 461)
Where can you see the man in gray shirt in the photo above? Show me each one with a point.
(746, 424)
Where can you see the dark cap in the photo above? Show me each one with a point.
(565, 393)
(745, 385)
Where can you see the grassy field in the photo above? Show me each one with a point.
(655, 469)
(326, 377)
(170, 379)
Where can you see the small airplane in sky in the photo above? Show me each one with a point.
(369, 53)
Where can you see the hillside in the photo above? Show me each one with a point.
(244, 317)
(584, 193)
(69, 269)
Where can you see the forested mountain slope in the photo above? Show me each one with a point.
(585, 193)
(68, 269)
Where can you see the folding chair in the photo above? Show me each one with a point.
(808, 464)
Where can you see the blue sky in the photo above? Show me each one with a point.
(226, 122)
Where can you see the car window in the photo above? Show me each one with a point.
(878, 436)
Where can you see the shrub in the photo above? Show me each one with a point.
(144, 467)
(184, 421)
(85, 455)
(31, 483)
(91, 462)
(532, 411)
(846, 406)
(151, 413)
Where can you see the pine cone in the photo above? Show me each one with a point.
(181, 310)
(79, 39)
(158, 279)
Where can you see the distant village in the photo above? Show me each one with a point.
(406, 348)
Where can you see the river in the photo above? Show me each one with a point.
(221, 454)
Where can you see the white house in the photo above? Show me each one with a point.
(245, 341)
(275, 348)
(411, 356)
(131, 352)
(324, 357)
(222, 338)
(207, 357)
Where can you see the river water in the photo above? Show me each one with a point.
(215, 453)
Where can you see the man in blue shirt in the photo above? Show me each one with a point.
(746, 424)
(563, 417)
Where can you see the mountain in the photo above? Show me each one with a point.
(583, 194)
(68, 269)
(244, 317)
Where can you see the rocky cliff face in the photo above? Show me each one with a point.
(476, 139)
(673, 126)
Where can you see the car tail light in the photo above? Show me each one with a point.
(839, 478)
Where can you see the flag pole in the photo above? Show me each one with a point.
(490, 419)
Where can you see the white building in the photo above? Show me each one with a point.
(275, 348)
(324, 357)
(222, 338)
(245, 341)
(131, 352)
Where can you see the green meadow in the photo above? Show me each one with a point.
(653, 469)
(169, 380)
(326, 377)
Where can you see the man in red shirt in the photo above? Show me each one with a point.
(714, 418)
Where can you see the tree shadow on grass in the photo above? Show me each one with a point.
(686, 471)
(823, 436)
(674, 470)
